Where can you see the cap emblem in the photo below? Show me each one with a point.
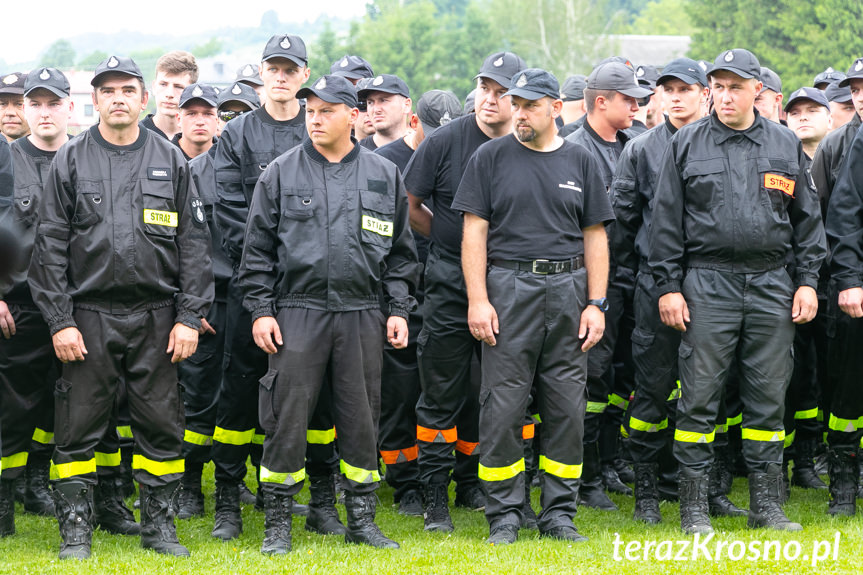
(285, 43)
(248, 71)
(703, 66)
(45, 74)
(321, 85)
(522, 82)
(10, 79)
(378, 81)
(344, 62)
(445, 119)
(498, 63)
(729, 56)
(829, 70)
(803, 93)
(858, 66)
(640, 72)
(113, 62)
(236, 90)
(197, 92)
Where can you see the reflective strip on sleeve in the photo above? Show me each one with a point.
(789, 439)
(559, 469)
(762, 434)
(108, 459)
(646, 426)
(693, 436)
(258, 439)
(229, 437)
(595, 407)
(289, 479)
(528, 431)
(196, 438)
(394, 456)
(158, 468)
(806, 414)
(72, 469)
(617, 401)
(12, 461)
(736, 420)
(465, 447)
(843, 425)
(125, 431)
(501, 473)
(720, 428)
(43, 437)
(357, 474)
(437, 435)
(321, 436)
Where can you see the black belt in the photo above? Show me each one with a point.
(543, 267)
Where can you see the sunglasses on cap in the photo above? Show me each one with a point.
(228, 115)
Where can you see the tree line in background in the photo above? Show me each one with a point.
(441, 43)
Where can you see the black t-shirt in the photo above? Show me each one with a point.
(605, 153)
(150, 125)
(536, 203)
(369, 142)
(398, 152)
(435, 172)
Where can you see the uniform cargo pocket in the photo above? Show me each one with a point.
(61, 411)
(160, 210)
(267, 409)
(88, 205)
(298, 205)
(376, 221)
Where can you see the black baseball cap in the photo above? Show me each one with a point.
(501, 67)
(647, 76)
(705, 66)
(288, 46)
(119, 65)
(240, 92)
(534, 84)
(737, 61)
(834, 93)
(332, 89)
(387, 83)
(469, 102)
(250, 73)
(827, 77)
(437, 108)
(13, 83)
(854, 72)
(573, 88)
(684, 69)
(203, 92)
(618, 77)
(770, 80)
(352, 67)
(619, 59)
(805, 93)
(50, 79)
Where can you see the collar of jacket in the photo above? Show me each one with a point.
(136, 145)
(319, 158)
(721, 132)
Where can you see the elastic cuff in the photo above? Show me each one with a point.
(399, 312)
(669, 287)
(189, 320)
(263, 311)
(60, 323)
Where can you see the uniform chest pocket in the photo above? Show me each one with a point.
(160, 210)
(89, 207)
(25, 206)
(298, 204)
(705, 181)
(376, 220)
(777, 180)
(254, 166)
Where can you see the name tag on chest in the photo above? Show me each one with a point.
(377, 226)
(160, 218)
(776, 182)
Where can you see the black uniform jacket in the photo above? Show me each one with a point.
(328, 236)
(845, 219)
(204, 177)
(829, 158)
(247, 146)
(735, 201)
(121, 230)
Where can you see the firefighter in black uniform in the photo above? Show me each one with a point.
(121, 273)
(733, 203)
(535, 209)
(328, 228)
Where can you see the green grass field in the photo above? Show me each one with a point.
(34, 548)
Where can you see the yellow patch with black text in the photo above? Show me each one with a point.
(160, 218)
(377, 226)
(777, 182)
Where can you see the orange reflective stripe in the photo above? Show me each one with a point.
(465, 447)
(437, 435)
(528, 431)
(394, 456)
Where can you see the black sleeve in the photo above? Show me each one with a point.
(258, 270)
(473, 194)
(845, 220)
(597, 207)
(8, 234)
(808, 240)
(666, 238)
(230, 212)
(401, 275)
(628, 210)
(421, 171)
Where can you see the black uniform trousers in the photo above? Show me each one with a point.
(447, 410)
(132, 347)
(28, 371)
(842, 396)
(347, 346)
(201, 379)
(537, 347)
(810, 363)
(743, 318)
(654, 355)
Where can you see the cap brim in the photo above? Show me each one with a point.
(362, 93)
(207, 101)
(306, 92)
(802, 98)
(428, 129)
(123, 72)
(737, 71)
(529, 94)
(499, 78)
(685, 78)
(847, 81)
(250, 104)
(348, 75)
(251, 81)
(56, 91)
(635, 92)
(295, 59)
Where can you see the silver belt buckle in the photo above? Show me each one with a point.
(534, 268)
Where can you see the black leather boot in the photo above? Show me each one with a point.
(228, 522)
(528, 515)
(73, 507)
(361, 521)
(765, 494)
(842, 468)
(191, 496)
(277, 522)
(718, 503)
(436, 516)
(158, 531)
(7, 508)
(592, 491)
(110, 512)
(323, 517)
(37, 497)
(693, 501)
(646, 494)
(804, 474)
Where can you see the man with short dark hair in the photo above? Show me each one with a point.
(769, 101)
(197, 119)
(388, 102)
(572, 95)
(316, 310)
(13, 125)
(535, 260)
(121, 273)
(842, 108)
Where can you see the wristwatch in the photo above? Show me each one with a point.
(601, 303)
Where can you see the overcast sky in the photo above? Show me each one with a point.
(23, 37)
